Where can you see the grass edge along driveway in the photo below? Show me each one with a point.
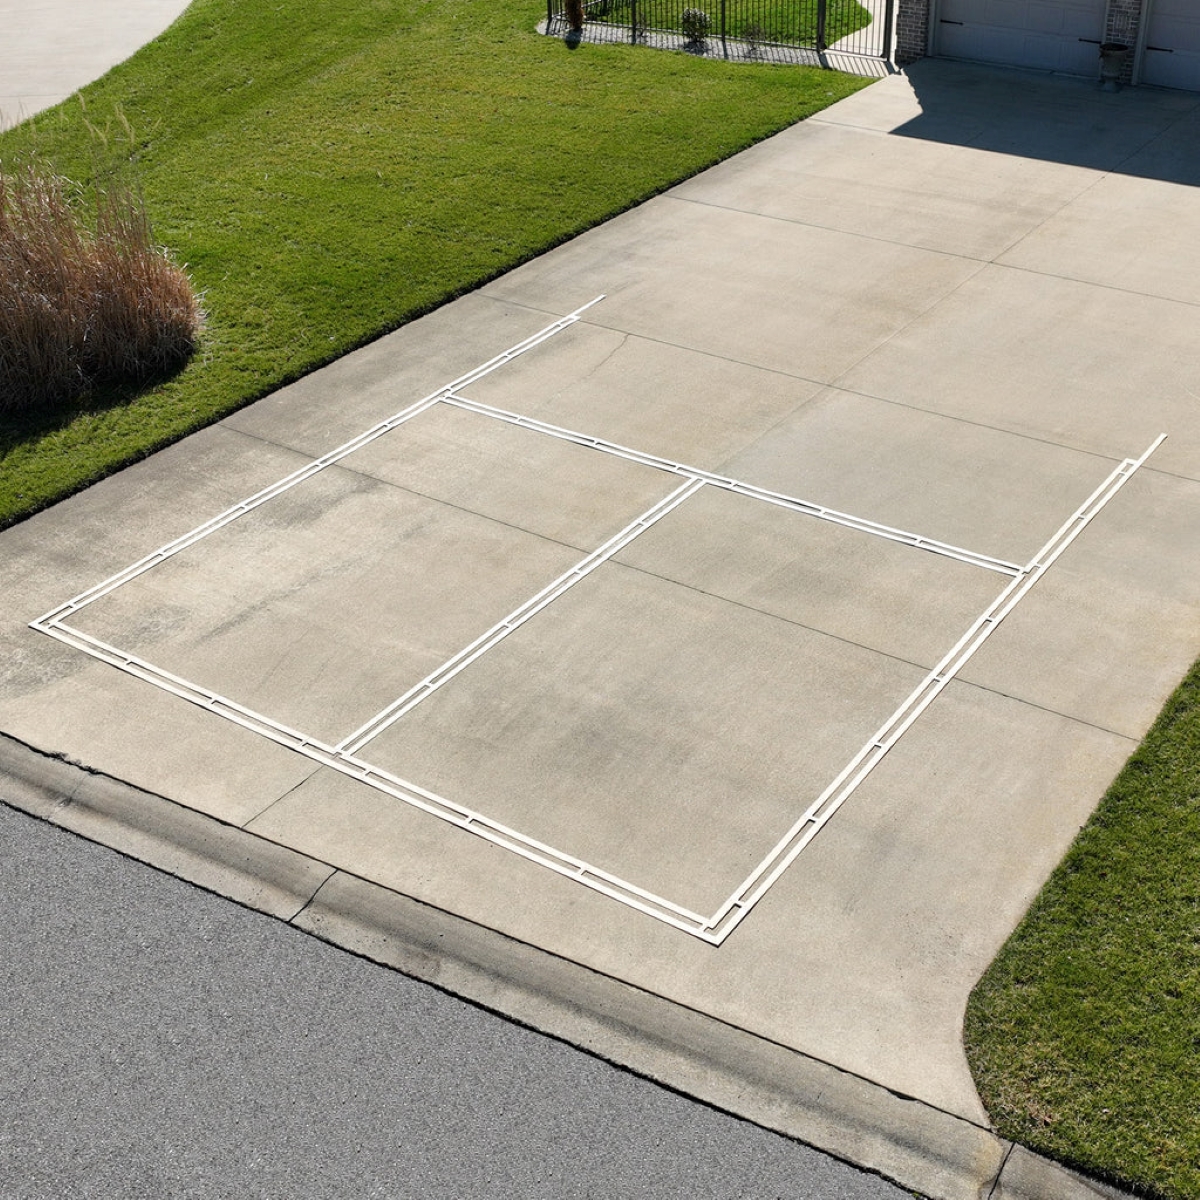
(329, 172)
(1084, 1034)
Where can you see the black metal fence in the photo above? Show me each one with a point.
(808, 31)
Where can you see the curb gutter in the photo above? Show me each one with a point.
(919, 1147)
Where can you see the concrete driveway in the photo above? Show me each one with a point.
(846, 396)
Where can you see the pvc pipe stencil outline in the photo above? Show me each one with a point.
(346, 756)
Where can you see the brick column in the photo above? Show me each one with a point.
(1122, 20)
(912, 29)
(1121, 24)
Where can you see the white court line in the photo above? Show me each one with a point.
(785, 851)
(717, 927)
(328, 756)
(696, 477)
(807, 507)
(390, 715)
(306, 472)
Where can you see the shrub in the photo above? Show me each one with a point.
(753, 34)
(79, 308)
(695, 23)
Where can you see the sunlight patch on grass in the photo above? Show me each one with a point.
(382, 158)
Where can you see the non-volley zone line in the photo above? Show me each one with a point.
(807, 507)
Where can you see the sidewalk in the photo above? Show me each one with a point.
(951, 305)
(53, 47)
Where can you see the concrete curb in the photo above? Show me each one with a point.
(919, 1147)
(177, 840)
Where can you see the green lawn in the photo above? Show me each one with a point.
(1084, 1035)
(330, 171)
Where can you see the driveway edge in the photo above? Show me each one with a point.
(917, 1146)
(178, 840)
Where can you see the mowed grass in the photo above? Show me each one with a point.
(330, 171)
(1084, 1035)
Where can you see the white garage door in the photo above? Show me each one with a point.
(1055, 35)
(1172, 54)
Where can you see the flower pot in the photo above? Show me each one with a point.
(1112, 64)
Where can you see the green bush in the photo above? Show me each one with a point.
(695, 23)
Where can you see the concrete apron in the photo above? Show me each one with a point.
(950, 304)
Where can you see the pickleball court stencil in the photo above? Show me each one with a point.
(351, 755)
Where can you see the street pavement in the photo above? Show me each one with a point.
(560, 688)
(160, 1042)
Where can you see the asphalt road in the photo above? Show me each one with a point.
(157, 1041)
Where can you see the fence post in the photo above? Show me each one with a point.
(724, 47)
(549, 15)
(821, 14)
(633, 22)
(885, 51)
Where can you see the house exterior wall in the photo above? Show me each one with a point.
(1122, 23)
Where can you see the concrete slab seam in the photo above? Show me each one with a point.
(1023, 269)
(182, 842)
(857, 233)
(807, 826)
(343, 756)
(807, 507)
(306, 472)
(527, 611)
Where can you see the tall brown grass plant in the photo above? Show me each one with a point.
(84, 307)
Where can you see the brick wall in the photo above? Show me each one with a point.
(1121, 22)
(912, 29)
(1121, 25)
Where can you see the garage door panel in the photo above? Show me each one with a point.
(1171, 30)
(1055, 18)
(1178, 10)
(1079, 58)
(1041, 53)
(959, 10)
(1005, 14)
(1053, 35)
(1173, 70)
(1172, 54)
(1000, 46)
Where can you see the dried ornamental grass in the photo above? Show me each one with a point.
(78, 309)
